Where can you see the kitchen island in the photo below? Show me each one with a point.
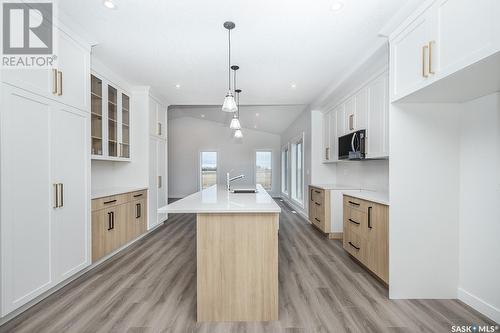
(236, 253)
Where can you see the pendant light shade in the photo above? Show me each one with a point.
(235, 124)
(238, 134)
(229, 103)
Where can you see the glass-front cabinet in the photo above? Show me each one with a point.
(110, 121)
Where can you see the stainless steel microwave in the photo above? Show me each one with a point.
(352, 146)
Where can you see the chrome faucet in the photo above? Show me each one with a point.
(229, 180)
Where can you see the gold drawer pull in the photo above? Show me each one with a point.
(424, 49)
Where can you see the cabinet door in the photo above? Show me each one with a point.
(112, 121)
(106, 231)
(137, 219)
(377, 254)
(26, 197)
(96, 110)
(162, 177)
(70, 167)
(377, 135)
(465, 33)
(326, 137)
(409, 57)
(361, 114)
(162, 121)
(74, 64)
(334, 149)
(153, 182)
(341, 129)
(153, 117)
(350, 115)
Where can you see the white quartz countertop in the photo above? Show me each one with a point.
(334, 187)
(106, 192)
(216, 199)
(378, 197)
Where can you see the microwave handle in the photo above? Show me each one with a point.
(352, 142)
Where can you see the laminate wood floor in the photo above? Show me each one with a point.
(151, 287)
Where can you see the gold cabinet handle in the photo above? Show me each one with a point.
(61, 191)
(424, 49)
(59, 83)
(56, 195)
(54, 81)
(431, 43)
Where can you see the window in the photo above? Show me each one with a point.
(208, 170)
(297, 170)
(263, 169)
(284, 169)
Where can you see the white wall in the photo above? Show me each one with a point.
(301, 126)
(188, 136)
(479, 256)
(424, 178)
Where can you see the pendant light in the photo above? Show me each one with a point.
(229, 102)
(238, 133)
(235, 122)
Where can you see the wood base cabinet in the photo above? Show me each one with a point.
(116, 220)
(319, 209)
(366, 234)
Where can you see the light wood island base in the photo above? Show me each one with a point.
(237, 266)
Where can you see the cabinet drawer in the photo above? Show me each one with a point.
(355, 244)
(319, 222)
(317, 195)
(137, 195)
(110, 201)
(356, 220)
(355, 203)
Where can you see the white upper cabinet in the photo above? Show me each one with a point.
(340, 119)
(111, 120)
(360, 118)
(72, 73)
(334, 149)
(350, 115)
(157, 118)
(464, 33)
(409, 53)
(326, 137)
(367, 109)
(439, 39)
(66, 83)
(377, 129)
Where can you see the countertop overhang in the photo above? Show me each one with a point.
(216, 199)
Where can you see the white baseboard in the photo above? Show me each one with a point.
(478, 304)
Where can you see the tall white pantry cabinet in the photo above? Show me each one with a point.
(44, 175)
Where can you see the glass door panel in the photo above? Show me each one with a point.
(96, 118)
(125, 150)
(112, 122)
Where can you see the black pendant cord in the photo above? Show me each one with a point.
(229, 67)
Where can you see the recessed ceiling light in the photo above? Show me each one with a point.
(177, 86)
(203, 116)
(254, 126)
(257, 114)
(109, 4)
(293, 85)
(336, 6)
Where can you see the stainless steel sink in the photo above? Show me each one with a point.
(244, 190)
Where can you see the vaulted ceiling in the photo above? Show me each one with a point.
(289, 51)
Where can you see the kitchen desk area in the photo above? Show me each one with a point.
(237, 253)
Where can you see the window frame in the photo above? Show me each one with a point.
(293, 173)
(268, 150)
(285, 169)
(200, 165)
